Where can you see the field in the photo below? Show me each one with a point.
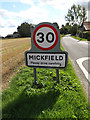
(12, 57)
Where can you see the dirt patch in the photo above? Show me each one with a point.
(11, 70)
(6, 78)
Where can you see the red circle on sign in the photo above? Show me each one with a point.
(55, 31)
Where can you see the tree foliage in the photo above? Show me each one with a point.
(64, 30)
(76, 15)
(24, 30)
(68, 29)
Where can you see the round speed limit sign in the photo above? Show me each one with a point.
(45, 36)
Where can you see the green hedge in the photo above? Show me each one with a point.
(85, 35)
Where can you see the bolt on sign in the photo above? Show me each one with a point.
(45, 49)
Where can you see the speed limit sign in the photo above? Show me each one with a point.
(45, 36)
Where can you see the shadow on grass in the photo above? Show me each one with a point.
(30, 107)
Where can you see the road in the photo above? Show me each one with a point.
(80, 58)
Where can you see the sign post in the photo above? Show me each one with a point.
(45, 49)
(35, 82)
(57, 75)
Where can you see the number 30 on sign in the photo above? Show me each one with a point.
(45, 37)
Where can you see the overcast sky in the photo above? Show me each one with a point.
(15, 12)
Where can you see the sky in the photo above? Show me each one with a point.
(15, 12)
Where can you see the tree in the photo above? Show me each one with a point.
(74, 30)
(76, 15)
(24, 30)
(65, 29)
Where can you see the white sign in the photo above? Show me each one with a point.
(48, 60)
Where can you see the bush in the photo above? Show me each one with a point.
(85, 35)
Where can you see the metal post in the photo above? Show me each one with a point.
(57, 75)
(35, 76)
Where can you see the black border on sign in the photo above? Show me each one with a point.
(62, 52)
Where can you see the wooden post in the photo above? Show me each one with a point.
(57, 75)
(35, 76)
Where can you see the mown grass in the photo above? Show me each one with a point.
(81, 39)
(66, 100)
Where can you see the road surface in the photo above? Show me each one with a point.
(78, 52)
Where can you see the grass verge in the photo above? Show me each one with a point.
(23, 99)
(81, 39)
